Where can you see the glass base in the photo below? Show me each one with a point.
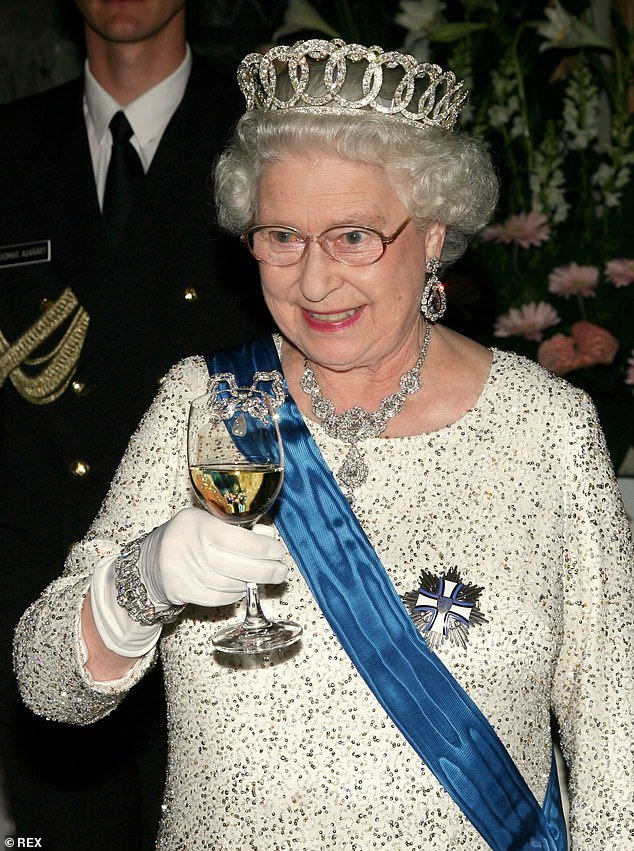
(266, 638)
(256, 633)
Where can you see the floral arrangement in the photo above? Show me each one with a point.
(560, 254)
(549, 95)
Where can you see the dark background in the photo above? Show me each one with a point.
(41, 45)
(41, 40)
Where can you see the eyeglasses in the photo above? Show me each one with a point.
(278, 245)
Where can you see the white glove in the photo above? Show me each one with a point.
(196, 558)
(193, 558)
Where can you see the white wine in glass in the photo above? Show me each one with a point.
(240, 492)
(239, 488)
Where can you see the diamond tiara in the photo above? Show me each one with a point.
(321, 68)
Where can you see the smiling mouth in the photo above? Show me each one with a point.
(333, 317)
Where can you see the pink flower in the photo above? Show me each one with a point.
(574, 280)
(525, 229)
(528, 321)
(589, 345)
(629, 375)
(595, 344)
(620, 272)
(558, 354)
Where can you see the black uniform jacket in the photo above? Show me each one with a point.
(173, 287)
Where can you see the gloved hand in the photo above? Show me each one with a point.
(193, 558)
(196, 558)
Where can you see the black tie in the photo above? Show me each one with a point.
(125, 175)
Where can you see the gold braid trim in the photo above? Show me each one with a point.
(59, 364)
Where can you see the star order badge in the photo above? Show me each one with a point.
(444, 608)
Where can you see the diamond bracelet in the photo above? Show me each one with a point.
(131, 592)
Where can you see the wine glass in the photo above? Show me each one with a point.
(236, 465)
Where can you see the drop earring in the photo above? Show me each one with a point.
(434, 301)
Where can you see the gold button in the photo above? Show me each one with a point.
(79, 387)
(191, 294)
(79, 468)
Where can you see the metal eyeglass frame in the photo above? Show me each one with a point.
(307, 239)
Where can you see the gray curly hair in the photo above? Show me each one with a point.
(439, 175)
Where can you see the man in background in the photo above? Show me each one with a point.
(110, 271)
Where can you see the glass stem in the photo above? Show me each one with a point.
(254, 618)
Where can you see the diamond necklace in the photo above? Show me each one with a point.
(356, 423)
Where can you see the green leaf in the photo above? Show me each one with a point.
(452, 32)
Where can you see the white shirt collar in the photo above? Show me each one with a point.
(149, 114)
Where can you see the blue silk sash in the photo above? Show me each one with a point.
(355, 594)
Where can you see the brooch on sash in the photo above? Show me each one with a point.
(443, 608)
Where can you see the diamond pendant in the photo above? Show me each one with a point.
(354, 470)
(356, 423)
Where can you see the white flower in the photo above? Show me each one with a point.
(581, 109)
(562, 31)
(419, 16)
(499, 115)
(505, 111)
(547, 181)
(300, 15)
(518, 127)
(558, 27)
(614, 173)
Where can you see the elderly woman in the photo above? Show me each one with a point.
(455, 547)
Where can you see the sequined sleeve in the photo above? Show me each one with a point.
(594, 689)
(149, 486)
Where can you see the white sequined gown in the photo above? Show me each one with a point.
(296, 753)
